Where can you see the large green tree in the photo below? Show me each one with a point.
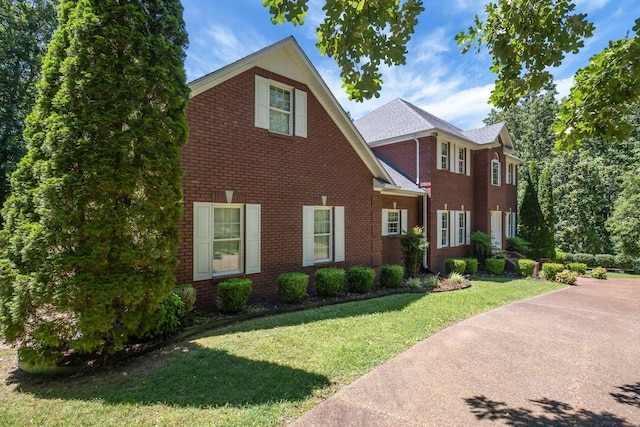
(546, 240)
(624, 223)
(530, 218)
(91, 225)
(26, 27)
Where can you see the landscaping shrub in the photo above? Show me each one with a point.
(456, 277)
(361, 279)
(187, 294)
(551, 269)
(292, 287)
(414, 283)
(516, 244)
(569, 257)
(565, 276)
(329, 281)
(234, 294)
(495, 265)
(391, 275)
(578, 268)
(168, 320)
(585, 258)
(636, 266)
(413, 247)
(604, 260)
(430, 281)
(525, 267)
(599, 273)
(455, 265)
(482, 245)
(624, 261)
(472, 266)
(560, 257)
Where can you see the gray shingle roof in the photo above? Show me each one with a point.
(399, 178)
(485, 135)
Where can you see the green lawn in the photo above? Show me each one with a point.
(262, 372)
(622, 276)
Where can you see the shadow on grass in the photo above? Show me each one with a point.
(193, 376)
(550, 413)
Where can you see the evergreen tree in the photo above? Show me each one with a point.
(530, 218)
(91, 223)
(546, 241)
(26, 27)
(624, 224)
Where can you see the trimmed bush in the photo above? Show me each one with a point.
(391, 276)
(455, 265)
(292, 287)
(495, 265)
(624, 261)
(329, 281)
(567, 277)
(187, 294)
(604, 260)
(578, 268)
(361, 279)
(588, 259)
(569, 257)
(472, 266)
(551, 269)
(525, 267)
(599, 273)
(168, 320)
(516, 244)
(560, 257)
(234, 294)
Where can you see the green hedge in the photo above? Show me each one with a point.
(391, 275)
(361, 279)
(495, 265)
(472, 266)
(551, 269)
(604, 260)
(624, 261)
(588, 259)
(525, 267)
(578, 267)
(455, 265)
(234, 294)
(292, 287)
(329, 281)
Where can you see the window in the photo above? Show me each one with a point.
(495, 170)
(443, 234)
(322, 234)
(511, 225)
(394, 221)
(461, 228)
(461, 160)
(444, 155)
(226, 239)
(280, 108)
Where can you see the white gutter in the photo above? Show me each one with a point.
(417, 160)
(424, 230)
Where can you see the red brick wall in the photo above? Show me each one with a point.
(281, 173)
(391, 246)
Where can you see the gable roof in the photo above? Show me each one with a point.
(400, 180)
(400, 120)
(287, 59)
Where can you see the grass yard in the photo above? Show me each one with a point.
(262, 372)
(611, 275)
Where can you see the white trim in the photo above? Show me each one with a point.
(338, 216)
(468, 227)
(404, 219)
(440, 229)
(241, 239)
(202, 242)
(307, 235)
(300, 107)
(252, 238)
(385, 222)
(262, 102)
(467, 153)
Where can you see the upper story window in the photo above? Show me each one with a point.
(444, 155)
(280, 108)
(461, 159)
(511, 173)
(495, 170)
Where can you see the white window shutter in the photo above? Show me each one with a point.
(467, 227)
(252, 239)
(452, 229)
(452, 157)
(338, 213)
(439, 229)
(202, 242)
(404, 219)
(262, 103)
(439, 155)
(385, 222)
(300, 107)
(467, 158)
(307, 235)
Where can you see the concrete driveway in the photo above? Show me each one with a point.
(570, 357)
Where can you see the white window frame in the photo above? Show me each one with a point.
(403, 215)
(443, 218)
(203, 239)
(443, 156)
(509, 172)
(323, 235)
(462, 224)
(511, 224)
(336, 235)
(239, 239)
(496, 171)
(393, 222)
(462, 161)
(297, 106)
(289, 113)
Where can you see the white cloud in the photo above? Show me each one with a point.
(465, 109)
(591, 5)
(563, 86)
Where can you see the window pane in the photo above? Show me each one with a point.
(280, 98)
(226, 223)
(226, 256)
(278, 122)
(321, 247)
(322, 222)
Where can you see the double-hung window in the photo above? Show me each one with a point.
(279, 110)
(394, 221)
(461, 159)
(322, 234)
(443, 218)
(444, 155)
(226, 239)
(461, 228)
(495, 170)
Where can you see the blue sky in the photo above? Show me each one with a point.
(436, 78)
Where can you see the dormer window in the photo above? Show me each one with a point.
(495, 170)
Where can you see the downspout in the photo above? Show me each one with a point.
(417, 161)
(424, 230)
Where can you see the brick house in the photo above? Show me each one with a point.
(470, 176)
(278, 179)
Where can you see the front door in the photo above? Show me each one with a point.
(496, 229)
